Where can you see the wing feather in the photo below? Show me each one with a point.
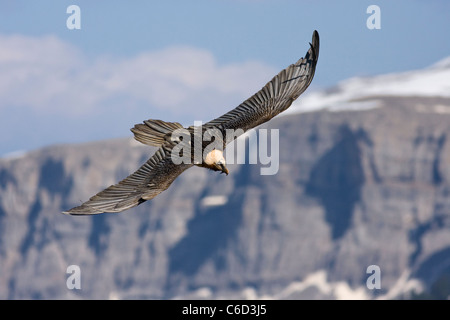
(148, 181)
(157, 174)
(275, 97)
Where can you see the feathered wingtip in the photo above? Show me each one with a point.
(80, 211)
(313, 52)
(315, 45)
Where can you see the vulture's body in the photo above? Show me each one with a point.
(157, 174)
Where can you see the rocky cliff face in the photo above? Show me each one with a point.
(354, 189)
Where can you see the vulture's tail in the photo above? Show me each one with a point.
(152, 132)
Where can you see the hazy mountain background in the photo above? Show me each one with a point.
(184, 61)
(364, 179)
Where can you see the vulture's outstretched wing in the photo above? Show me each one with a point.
(159, 171)
(275, 97)
(147, 182)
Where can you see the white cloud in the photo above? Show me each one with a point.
(49, 75)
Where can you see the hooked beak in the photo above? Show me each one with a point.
(223, 168)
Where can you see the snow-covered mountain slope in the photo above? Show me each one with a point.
(361, 92)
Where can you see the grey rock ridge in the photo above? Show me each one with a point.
(354, 189)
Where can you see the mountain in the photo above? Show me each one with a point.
(346, 95)
(363, 181)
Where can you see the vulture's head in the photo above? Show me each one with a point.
(214, 160)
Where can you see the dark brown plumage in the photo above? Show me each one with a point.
(157, 174)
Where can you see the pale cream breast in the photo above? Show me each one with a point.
(213, 157)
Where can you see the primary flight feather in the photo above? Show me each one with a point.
(157, 174)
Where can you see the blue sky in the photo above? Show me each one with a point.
(185, 60)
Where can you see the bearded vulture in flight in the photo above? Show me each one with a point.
(160, 170)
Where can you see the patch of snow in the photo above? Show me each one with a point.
(442, 64)
(15, 155)
(428, 82)
(340, 290)
(200, 293)
(438, 108)
(211, 201)
(403, 285)
(113, 295)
